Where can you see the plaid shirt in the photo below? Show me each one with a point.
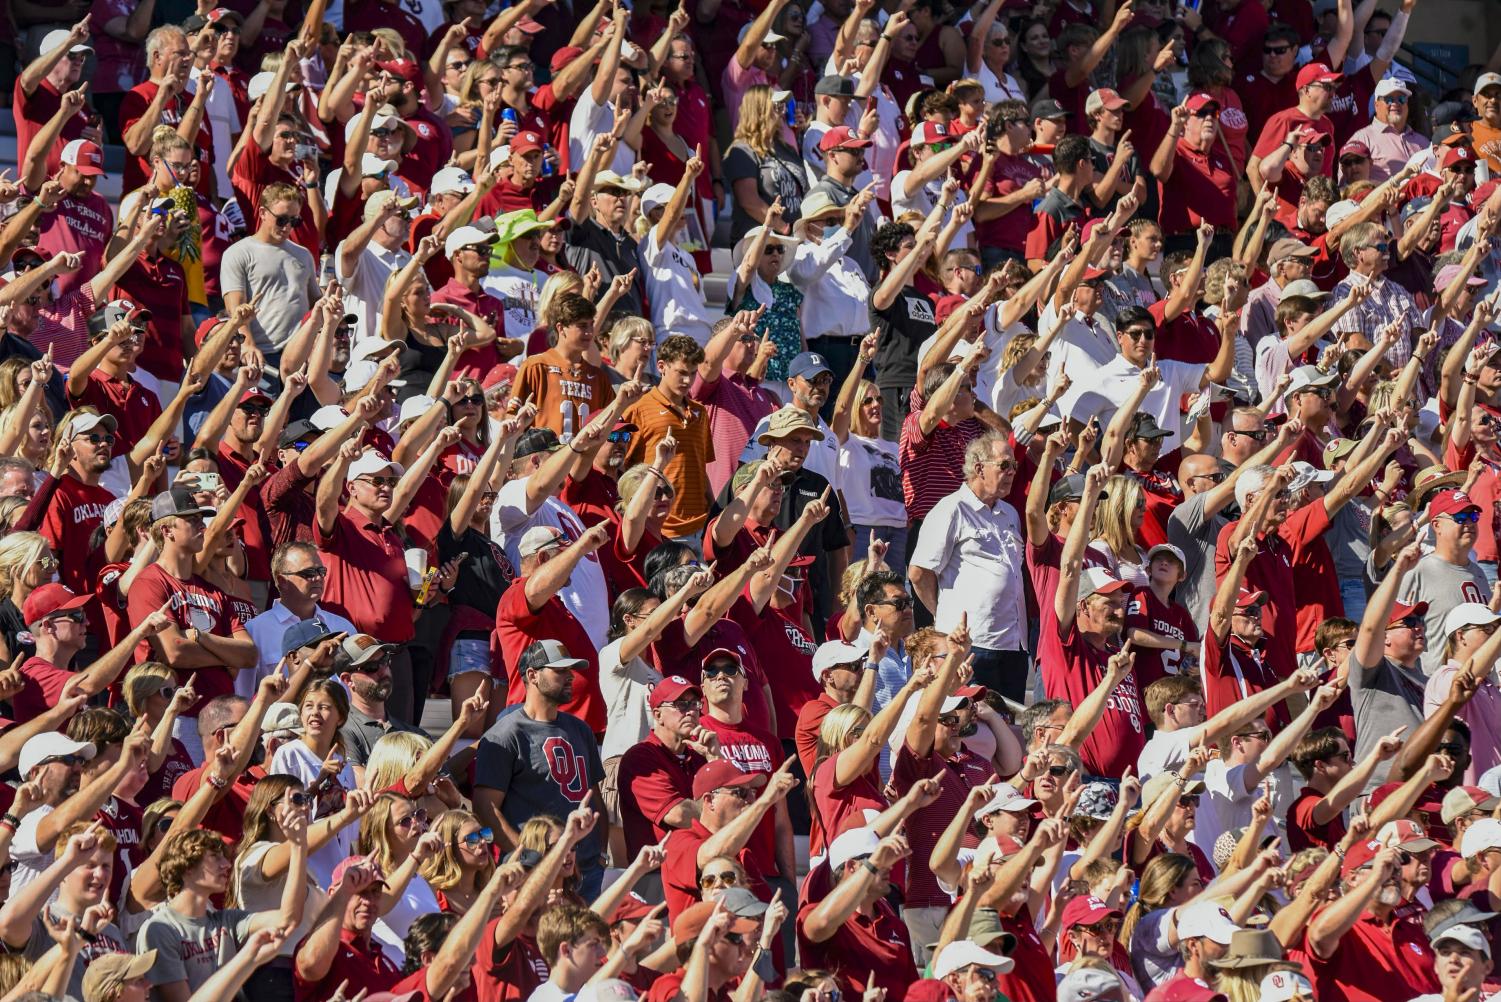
(1387, 303)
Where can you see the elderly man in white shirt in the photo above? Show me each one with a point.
(299, 575)
(1113, 383)
(967, 566)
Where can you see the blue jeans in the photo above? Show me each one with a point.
(1352, 593)
(896, 549)
(591, 878)
(1489, 566)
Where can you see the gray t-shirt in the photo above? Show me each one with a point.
(361, 732)
(1385, 696)
(284, 276)
(109, 940)
(1443, 586)
(1349, 540)
(191, 949)
(1195, 535)
(542, 767)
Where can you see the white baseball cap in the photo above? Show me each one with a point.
(260, 85)
(963, 953)
(1391, 85)
(451, 181)
(1469, 614)
(328, 417)
(1480, 836)
(373, 166)
(833, 653)
(370, 463)
(1098, 581)
(1481, 82)
(849, 845)
(771, 38)
(467, 236)
(655, 197)
(1283, 986)
(374, 348)
(1467, 935)
(1007, 798)
(1305, 376)
(40, 747)
(1339, 212)
(1307, 473)
(56, 38)
(500, 155)
(1207, 919)
(413, 408)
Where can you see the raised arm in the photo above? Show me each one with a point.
(1071, 560)
(1370, 640)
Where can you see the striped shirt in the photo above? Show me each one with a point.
(64, 326)
(932, 465)
(654, 416)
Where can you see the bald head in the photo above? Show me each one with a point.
(1198, 473)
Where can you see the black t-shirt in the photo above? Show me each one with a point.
(484, 577)
(13, 629)
(590, 243)
(418, 364)
(903, 327)
(781, 174)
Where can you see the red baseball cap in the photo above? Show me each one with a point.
(1450, 502)
(841, 138)
(352, 861)
(929, 134)
(85, 156)
(1401, 612)
(49, 600)
(1317, 73)
(1249, 597)
(721, 652)
(1086, 909)
(525, 142)
(404, 68)
(255, 393)
(1360, 854)
(946, 306)
(564, 56)
(929, 990)
(530, 26)
(1454, 155)
(1197, 102)
(691, 921)
(669, 689)
(719, 774)
(1186, 990)
(206, 329)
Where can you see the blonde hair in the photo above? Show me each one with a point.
(136, 690)
(858, 424)
(632, 481)
(759, 123)
(557, 283)
(375, 831)
(444, 871)
(1215, 276)
(836, 733)
(18, 551)
(9, 414)
(540, 833)
(1113, 524)
(10, 372)
(10, 510)
(392, 757)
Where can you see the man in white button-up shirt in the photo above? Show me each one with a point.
(968, 561)
(836, 295)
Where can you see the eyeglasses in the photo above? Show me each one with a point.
(1213, 478)
(1004, 465)
(1464, 517)
(901, 603)
(1256, 736)
(1409, 623)
(384, 132)
(734, 939)
(728, 878)
(686, 705)
(68, 760)
(309, 573)
(417, 817)
(378, 482)
(93, 438)
(519, 66)
(738, 792)
(665, 493)
(46, 561)
(461, 67)
(473, 400)
(1394, 99)
(1059, 770)
(621, 437)
(474, 840)
(728, 669)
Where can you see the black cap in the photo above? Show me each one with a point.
(1046, 107)
(535, 440)
(834, 85)
(1069, 488)
(299, 431)
(1144, 425)
(1452, 111)
(528, 858)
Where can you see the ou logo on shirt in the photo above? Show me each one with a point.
(567, 768)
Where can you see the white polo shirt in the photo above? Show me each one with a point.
(976, 551)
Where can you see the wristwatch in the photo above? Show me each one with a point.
(871, 666)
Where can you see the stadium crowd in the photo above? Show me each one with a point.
(1056, 559)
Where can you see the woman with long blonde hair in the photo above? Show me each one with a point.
(461, 868)
(26, 563)
(394, 836)
(762, 165)
(1118, 522)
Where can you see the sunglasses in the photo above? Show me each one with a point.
(473, 400)
(417, 817)
(164, 824)
(901, 603)
(1276, 50)
(1213, 478)
(621, 437)
(474, 840)
(686, 705)
(728, 669)
(383, 133)
(665, 493)
(1256, 736)
(286, 219)
(1464, 517)
(1140, 334)
(94, 438)
(734, 939)
(1059, 770)
(75, 616)
(739, 792)
(1188, 800)
(774, 249)
(380, 481)
(255, 409)
(727, 879)
(949, 720)
(309, 573)
(1451, 747)
(298, 798)
(1380, 248)
(68, 760)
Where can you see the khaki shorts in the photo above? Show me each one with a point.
(609, 790)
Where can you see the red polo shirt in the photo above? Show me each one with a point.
(1279, 125)
(159, 284)
(367, 576)
(134, 407)
(1071, 669)
(133, 107)
(289, 505)
(41, 687)
(508, 973)
(653, 780)
(360, 961)
(865, 946)
(1303, 832)
(1270, 571)
(1202, 187)
(35, 110)
(507, 197)
(1376, 961)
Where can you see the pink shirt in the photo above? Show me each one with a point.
(735, 82)
(83, 225)
(1390, 149)
(735, 406)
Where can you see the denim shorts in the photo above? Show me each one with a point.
(469, 654)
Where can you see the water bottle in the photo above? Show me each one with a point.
(792, 113)
(546, 160)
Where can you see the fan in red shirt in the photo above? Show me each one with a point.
(41, 85)
(277, 151)
(1316, 86)
(1359, 947)
(78, 504)
(1152, 610)
(705, 928)
(1197, 180)
(103, 377)
(656, 774)
(161, 100)
(339, 949)
(1079, 651)
(857, 934)
(1333, 781)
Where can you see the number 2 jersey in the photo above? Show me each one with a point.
(564, 403)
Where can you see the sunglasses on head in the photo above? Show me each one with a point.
(728, 669)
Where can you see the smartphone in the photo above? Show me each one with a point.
(210, 481)
(792, 112)
(870, 103)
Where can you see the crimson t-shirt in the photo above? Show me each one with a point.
(1146, 611)
(70, 520)
(652, 781)
(956, 777)
(41, 687)
(1305, 833)
(195, 604)
(134, 407)
(516, 626)
(1271, 571)
(133, 108)
(1071, 669)
(359, 963)
(866, 946)
(1315, 580)
(754, 750)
